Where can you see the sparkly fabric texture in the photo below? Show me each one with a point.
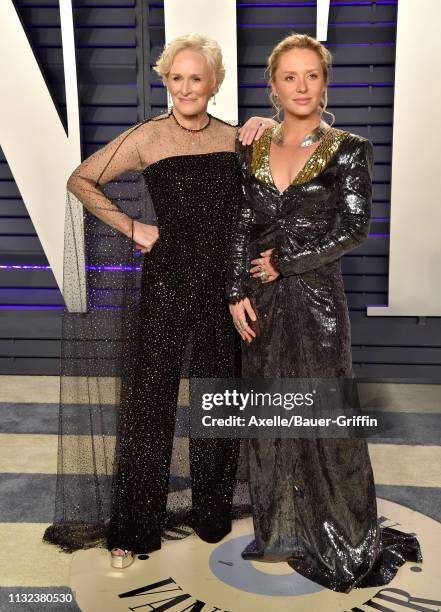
(120, 430)
(328, 145)
(313, 500)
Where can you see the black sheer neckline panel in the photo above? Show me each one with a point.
(107, 341)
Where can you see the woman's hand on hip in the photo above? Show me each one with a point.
(262, 268)
(254, 128)
(239, 312)
(144, 236)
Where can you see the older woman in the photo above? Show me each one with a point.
(188, 162)
(308, 196)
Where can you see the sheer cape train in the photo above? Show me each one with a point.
(102, 280)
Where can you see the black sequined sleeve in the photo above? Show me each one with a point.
(355, 193)
(237, 267)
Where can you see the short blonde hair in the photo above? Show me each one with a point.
(207, 46)
(301, 41)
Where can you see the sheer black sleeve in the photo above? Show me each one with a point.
(355, 194)
(120, 155)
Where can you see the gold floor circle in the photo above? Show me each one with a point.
(191, 575)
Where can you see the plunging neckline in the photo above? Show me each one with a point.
(315, 165)
(308, 162)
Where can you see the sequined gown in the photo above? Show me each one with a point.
(193, 181)
(313, 500)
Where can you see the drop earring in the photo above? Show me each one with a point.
(214, 100)
(169, 97)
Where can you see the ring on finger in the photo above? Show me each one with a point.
(263, 276)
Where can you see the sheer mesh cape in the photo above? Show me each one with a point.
(101, 289)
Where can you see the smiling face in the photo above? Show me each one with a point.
(191, 82)
(299, 82)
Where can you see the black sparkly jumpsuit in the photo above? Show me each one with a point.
(193, 182)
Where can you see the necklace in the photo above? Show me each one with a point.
(316, 134)
(189, 129)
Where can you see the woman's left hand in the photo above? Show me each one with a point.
(254, 128)
(262, 268)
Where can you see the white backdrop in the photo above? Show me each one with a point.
(415, 239)
(216, 20)
(41, 156)
(39, 153)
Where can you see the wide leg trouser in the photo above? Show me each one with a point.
(169, 313)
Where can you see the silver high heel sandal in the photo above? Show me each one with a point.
(121, 561)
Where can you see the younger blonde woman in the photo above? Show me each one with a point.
(308, 196)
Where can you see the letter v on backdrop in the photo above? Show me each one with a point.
(41, 155)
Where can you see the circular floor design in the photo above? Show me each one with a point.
(191, 575)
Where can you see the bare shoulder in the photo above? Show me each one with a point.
(228, 130)
(147, 129)
(160, 117)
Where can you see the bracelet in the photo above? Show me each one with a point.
(235, 299)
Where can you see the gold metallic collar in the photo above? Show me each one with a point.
(318, 161)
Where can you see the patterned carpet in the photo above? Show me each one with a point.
(406, 472)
